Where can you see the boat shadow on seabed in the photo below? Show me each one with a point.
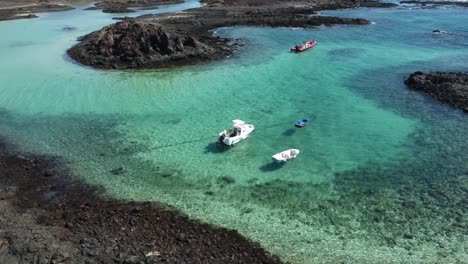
(289, 132)
(272, 166)
(217, 147)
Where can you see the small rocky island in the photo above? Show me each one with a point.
(141, 44)
(450, 88)
(184, 38)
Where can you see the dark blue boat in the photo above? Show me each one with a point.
(301, 123)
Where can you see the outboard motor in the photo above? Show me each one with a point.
(221, 138)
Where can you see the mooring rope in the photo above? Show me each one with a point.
(310, 117)
(181, 143)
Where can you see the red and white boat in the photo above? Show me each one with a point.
(309, 44)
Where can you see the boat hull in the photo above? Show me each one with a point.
(309, 44)
(285, 155)
(301, 123)
(229, 141)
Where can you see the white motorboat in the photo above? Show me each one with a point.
(285, 155)
(239, 131)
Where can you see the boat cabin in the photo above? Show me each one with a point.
(238, 132)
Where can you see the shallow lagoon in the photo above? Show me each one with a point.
(382, 173)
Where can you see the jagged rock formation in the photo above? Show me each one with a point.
(141, 44)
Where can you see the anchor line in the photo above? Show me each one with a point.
(190, 141)
(206, 138)
(148, 149)
(274, 125)
(180, 143)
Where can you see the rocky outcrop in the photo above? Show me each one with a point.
(117, 10)
(207, 18)
(30, 10)
(48, 218)
(450, 88)
(141, 44)
(125, 6)
(166, 40)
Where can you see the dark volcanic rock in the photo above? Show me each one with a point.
(69, 28)
(123, 6)
(450, 88)
(322, 4)
(417, 2)
(141, 44)
(30, 16)
(28, 11)
(209, 18)
(166, 40)
(117, 9)
(118, 171)
(122, 18)
(56, 220)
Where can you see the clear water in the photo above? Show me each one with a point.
(160, 126)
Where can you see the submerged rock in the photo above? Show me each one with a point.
(69, 28)
(226, 180)
(450, 88)
(118, 171)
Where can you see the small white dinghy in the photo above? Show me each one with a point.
(285, 155)
(239, 131)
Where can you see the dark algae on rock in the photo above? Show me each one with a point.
(48, 218)
(450, 88)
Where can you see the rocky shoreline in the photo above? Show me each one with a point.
(19, 9)
(129, 6)
(49, 218)
(189, 40)
(452, 3)
(448, 87)
(133, 44)
(184, 38)
(30, 10)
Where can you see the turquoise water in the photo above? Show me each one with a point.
(369, 136)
